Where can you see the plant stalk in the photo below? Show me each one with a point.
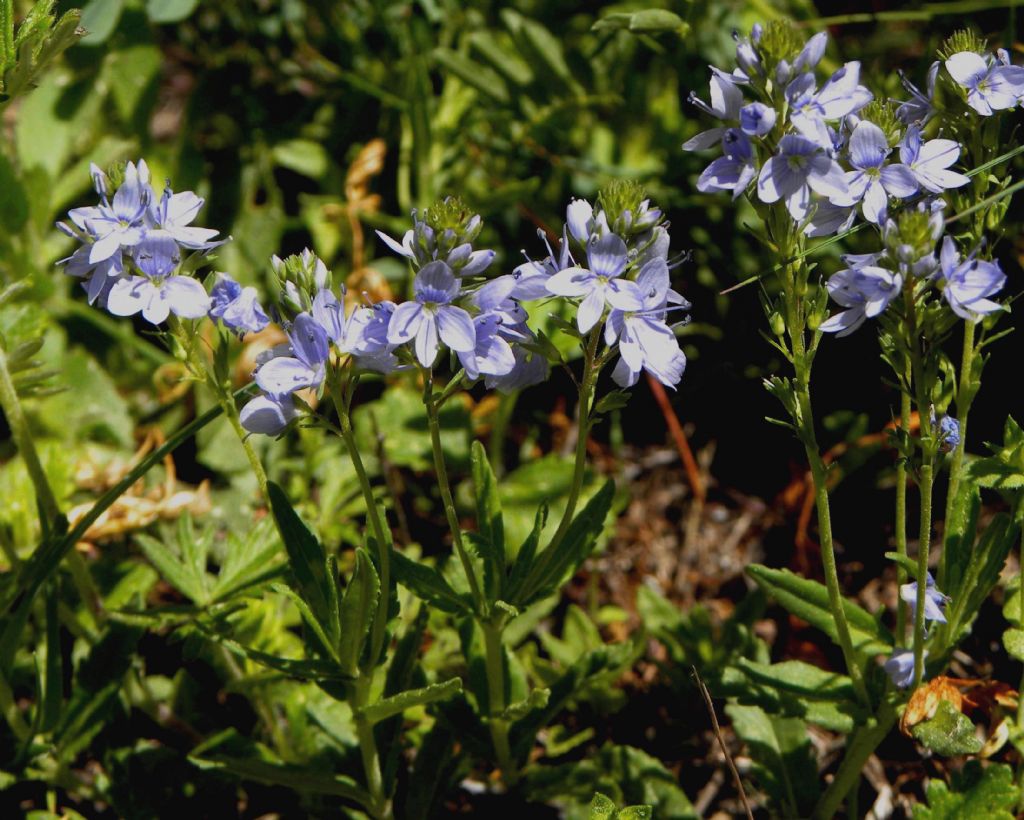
(381, 808)
(495, 665)
(901, 518)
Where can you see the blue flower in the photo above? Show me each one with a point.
(900, 667)
(600, 283)
(238, 308)
(529, 369)
(949, 432)
(929, 161)
(98, 277)
(934, 601)
(920, 107)
(118, 223)
(645, 341)
(366, 337)
(492, 354)
(873, 179)
(827, 219)
(268, 415)
(842, 94)
(801, 166)
(757, 119)
(531, 277)
(864, 291)
(969, 283)
(991, 86)
(158, 292)
(735, 170)
(172, 216)
(304, 368)
(432, 318)
(726, 101)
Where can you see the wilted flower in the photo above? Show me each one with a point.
(900, 667)
(934, 601)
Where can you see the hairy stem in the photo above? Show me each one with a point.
(923, 550)
(447, 499)
(495, 665)
(901, 517)
(368, 750)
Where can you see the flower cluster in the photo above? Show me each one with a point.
(828, 152)
(132, 245)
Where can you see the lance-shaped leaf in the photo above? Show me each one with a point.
(427, 584)
(357, 609)
(527, 552)
(801, 679)
(386, 707)
(809, 600)
(305, 553)
(490, 539)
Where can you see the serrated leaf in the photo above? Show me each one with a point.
(305, 552)
(537, 699)
(386, 707)
(987, 792)
(809, 600)
(427, 584)
(949, 732)
(172, 569)
(615, 400)
(490, 527)
(357, 610)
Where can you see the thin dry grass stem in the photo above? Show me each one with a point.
(721, 742)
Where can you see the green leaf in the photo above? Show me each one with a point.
(427, 584)
(357, 610)
(580, 539)
(908, 563)
(539, 46)
(52, 689)
(809, 600)
(490, 527)
(976, 792)
(784, 766)
(324, 645)
(304, 157)
(14, 202)
(292, 667)
(800, 678)
(386, 707)
(950, 732)
(100, 18)
(473, 74)
(170, 11)
(1013, 640)
(305, 552)
(602, 808)
(297, 778)
(615, 400)
(250, 559)
(537, 699)
(172, 569)
(647, 21)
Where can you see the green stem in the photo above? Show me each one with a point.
(7, 53)
(923, 550)
(381, 534)
(368, 749)
(22, 436)
(901, 517)
(227, 403)
(861, 747)
(495, 665)
(441, 470)
(964, 399)
(805, 422)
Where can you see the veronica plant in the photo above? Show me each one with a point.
(822, 155)
(139, 255)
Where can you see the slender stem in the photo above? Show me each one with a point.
(446, 491)
(381, 534)
(901, 516)
(805, 421)
(7, 54)
(22, 436)
(923, 550)
(495, 665)
(861, 747)
(227, 403)
(368, 749)
(964, 399)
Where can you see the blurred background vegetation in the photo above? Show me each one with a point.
(312, 122)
